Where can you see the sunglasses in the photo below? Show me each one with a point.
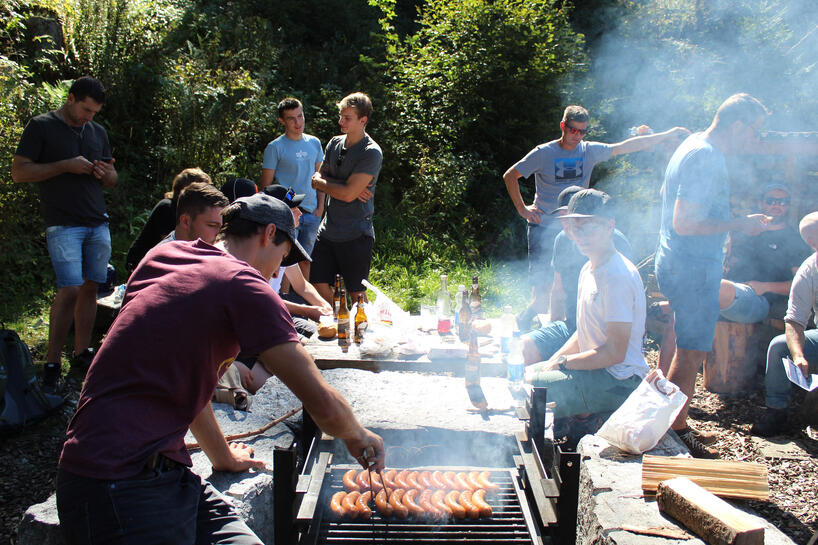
(575, 130)
(341, 155)
(772, 201)
(290, 195)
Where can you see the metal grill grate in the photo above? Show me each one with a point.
(506, 525)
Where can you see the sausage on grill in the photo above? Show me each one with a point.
(408, 500)
(398, 508)
(349, 481)
(449, 478)
(465, 500)
(485, 478)
(362, 505)
(479, 500)
(412, 480)
(382, 505)
(473, 478)
(388, 478)
(349, 505)
(335, 504)
(439, 500)
(425, 479)
(437, 480)
(451, 501)
(400, 479)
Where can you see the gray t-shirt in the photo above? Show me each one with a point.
(346, 221)
(804, 293)
(555, 169)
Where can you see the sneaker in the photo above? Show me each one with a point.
(695, 446)
(774, 422)
(50, 383)
(83, 359)
(704, 437)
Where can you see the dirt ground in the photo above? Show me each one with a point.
(28, 459)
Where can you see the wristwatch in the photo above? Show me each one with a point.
(561, 361)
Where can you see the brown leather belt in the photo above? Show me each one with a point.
(160, 463)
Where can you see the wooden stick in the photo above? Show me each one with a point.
(233, 437)
(724, 478)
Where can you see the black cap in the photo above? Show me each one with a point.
(286, 194)
(264, 209)
(589, 203)
(239, 187)
(565, 196)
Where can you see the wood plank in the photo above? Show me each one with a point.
(725, 478)
(708, 516)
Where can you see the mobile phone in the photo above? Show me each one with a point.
(106, 159)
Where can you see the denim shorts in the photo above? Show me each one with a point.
(307, 231)
(692, 289)
(550, 338)
(79, 253)
(540, 248)
(748, 307)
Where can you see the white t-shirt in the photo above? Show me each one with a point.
(804, 292)
(612, 292)
(275, 280)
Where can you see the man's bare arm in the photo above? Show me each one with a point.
(291, 363)
(347, 192)
(305, 289)
(530, 213)
(794, 333)
(639, 143)
(24, 170)
(688, 220)
(557, 298)
(266, 178)
(235, 457)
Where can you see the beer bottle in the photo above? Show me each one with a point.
(464, 320)
(343, 320)
(472, 374)
(360, 321)
(475, 299)
(444, 308)
(336, 296)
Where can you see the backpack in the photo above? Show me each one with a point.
(21, 400)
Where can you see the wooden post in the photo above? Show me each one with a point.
(731, 367)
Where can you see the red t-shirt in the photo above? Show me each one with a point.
(189, 309)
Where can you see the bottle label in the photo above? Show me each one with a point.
(360, 329)
(343, 328)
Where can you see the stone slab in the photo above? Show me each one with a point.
(611, 496)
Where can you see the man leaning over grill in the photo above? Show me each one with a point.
(602, 362)
(124, 472)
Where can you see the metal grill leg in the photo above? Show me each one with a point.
(284, 461)
(569, 497)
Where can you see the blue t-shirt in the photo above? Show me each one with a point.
(696, 173)
(294, 162)
(555, 169)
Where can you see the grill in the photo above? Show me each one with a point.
(535, 503)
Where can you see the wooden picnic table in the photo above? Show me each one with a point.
(328, 355)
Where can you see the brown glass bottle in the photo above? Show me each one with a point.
(343, 320)
(472, 374)
(464, 321)
(336, 296)
(360, 321)
(475, 301)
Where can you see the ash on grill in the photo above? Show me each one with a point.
(535, 502)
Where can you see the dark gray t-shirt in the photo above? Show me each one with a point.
(67, 199)
(346, 221)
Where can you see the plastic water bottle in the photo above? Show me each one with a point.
(515, 364)
(444, 308)
(119, 293)
(507, 327)
(459, 298)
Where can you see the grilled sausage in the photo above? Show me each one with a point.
(462, 481)
(451, 501)
(408, 500)
(362, 505)
(425, 502)
(349, 481)
(485, 478)
(465, 500)
(348, 503)
(335, 504)
(479, 500)
(474, 480)
(388, 478)
(382, 505)
(400, 510)
(377, 484)
(425, 479)
(400, 479)
(437, 480)
(439, 501)
(449, 478)
(362, 480)
(412, 480)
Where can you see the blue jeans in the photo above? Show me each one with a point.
(540, 248)
(778, 386)
(581, 392)
(747, 307)
(79, 253)
(174, 506)
(550, 338)
(308, 230)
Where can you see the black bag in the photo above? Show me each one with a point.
(21, 400)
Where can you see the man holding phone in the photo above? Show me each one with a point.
(69, 157)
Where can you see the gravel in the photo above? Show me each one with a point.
(28, 459)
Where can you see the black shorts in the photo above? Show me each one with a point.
(351, 259)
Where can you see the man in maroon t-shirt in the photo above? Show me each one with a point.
(123, 473)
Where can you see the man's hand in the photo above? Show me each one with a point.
(531, 213)
(760, 288)
(104, 172)
(364, 195)
(241, 459)
(318, 180)
(678, 132)
(754, 224)
(315, 312)
(245, 374)
(79, 165)
(368, 450)
(803, 365)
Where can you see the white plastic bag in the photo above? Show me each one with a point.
(644, 418)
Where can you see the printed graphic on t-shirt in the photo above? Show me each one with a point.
(568, 170)
(300, 154)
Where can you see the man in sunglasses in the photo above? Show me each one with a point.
(555, 166)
